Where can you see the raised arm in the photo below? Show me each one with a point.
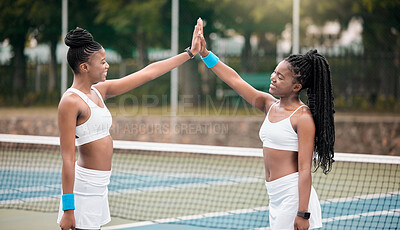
(259, 99)
(116, 87)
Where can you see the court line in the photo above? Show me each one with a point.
(183, 186)
(133, 191)
(224, 181)
(258, 209)
(395, 212)
(31, 189)
(191, 217)
(361, 197)
(39, 169)
(34, 199)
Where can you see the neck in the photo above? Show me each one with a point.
(81, 83)
(290, 101)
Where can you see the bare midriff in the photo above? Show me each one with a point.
(97, 154)
(279, 163)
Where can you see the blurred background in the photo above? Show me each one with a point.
(360, 39)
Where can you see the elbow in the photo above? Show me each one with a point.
(305, 172)
(68, 157)
(150, 72)
(235, 82)
(68, 163)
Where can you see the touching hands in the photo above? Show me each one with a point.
(198, 41)
(203, 51)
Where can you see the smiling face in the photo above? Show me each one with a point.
(97, 66)
(283, 82)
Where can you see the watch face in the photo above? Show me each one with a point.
(305, 215)
(189, 52)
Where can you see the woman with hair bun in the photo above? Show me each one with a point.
(85, 121)
(291, 133)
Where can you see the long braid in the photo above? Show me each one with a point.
(313, 72)
(81, 45)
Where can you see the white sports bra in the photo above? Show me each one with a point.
(99, 123)
(279, 135)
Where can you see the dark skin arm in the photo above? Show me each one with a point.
(306, 134)
(112, 88)
(71, 108)
(68, 111)
(258, 99)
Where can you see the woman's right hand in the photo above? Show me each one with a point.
(68, 220)
(203, 51)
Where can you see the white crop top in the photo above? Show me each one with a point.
(99, 123)
(279, 135)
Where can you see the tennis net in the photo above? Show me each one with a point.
(198, 185)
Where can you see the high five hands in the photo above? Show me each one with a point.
(197, 37)
(198, 42)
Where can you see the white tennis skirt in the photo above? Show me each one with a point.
(284, 202)
(91, 198)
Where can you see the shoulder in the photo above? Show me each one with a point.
(305, 119)
(69, 102)
(304, 112)
(102, 88)
(270, 102)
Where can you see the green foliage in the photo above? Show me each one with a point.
(360, 103)
(252, 15)
(14, 18)
(136, 25)
(45, 15)
(386, 104)
(379, 17)
(131, 20)
(356, 103)
(340, 102)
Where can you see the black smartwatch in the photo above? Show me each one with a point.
(189, 52)
(305, 215)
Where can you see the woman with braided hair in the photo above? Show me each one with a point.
(291, 133)
(84, 119)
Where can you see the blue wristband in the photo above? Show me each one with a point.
(68, 202)
(210, 60)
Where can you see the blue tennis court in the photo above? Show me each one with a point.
(202, 187)
(48, 184)
(366, 208)
(378, 208)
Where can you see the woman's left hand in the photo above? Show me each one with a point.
(301, 224)
(196, 39)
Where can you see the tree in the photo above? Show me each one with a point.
(45, 16)
(137, 23)
(380, 37)
(380, 19)
(190, 81)
(14, 25)
(254, 18)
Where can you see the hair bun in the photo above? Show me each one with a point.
(78, 38)
(310, 55)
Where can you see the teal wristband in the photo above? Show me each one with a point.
(68, 202)
(210, 60)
